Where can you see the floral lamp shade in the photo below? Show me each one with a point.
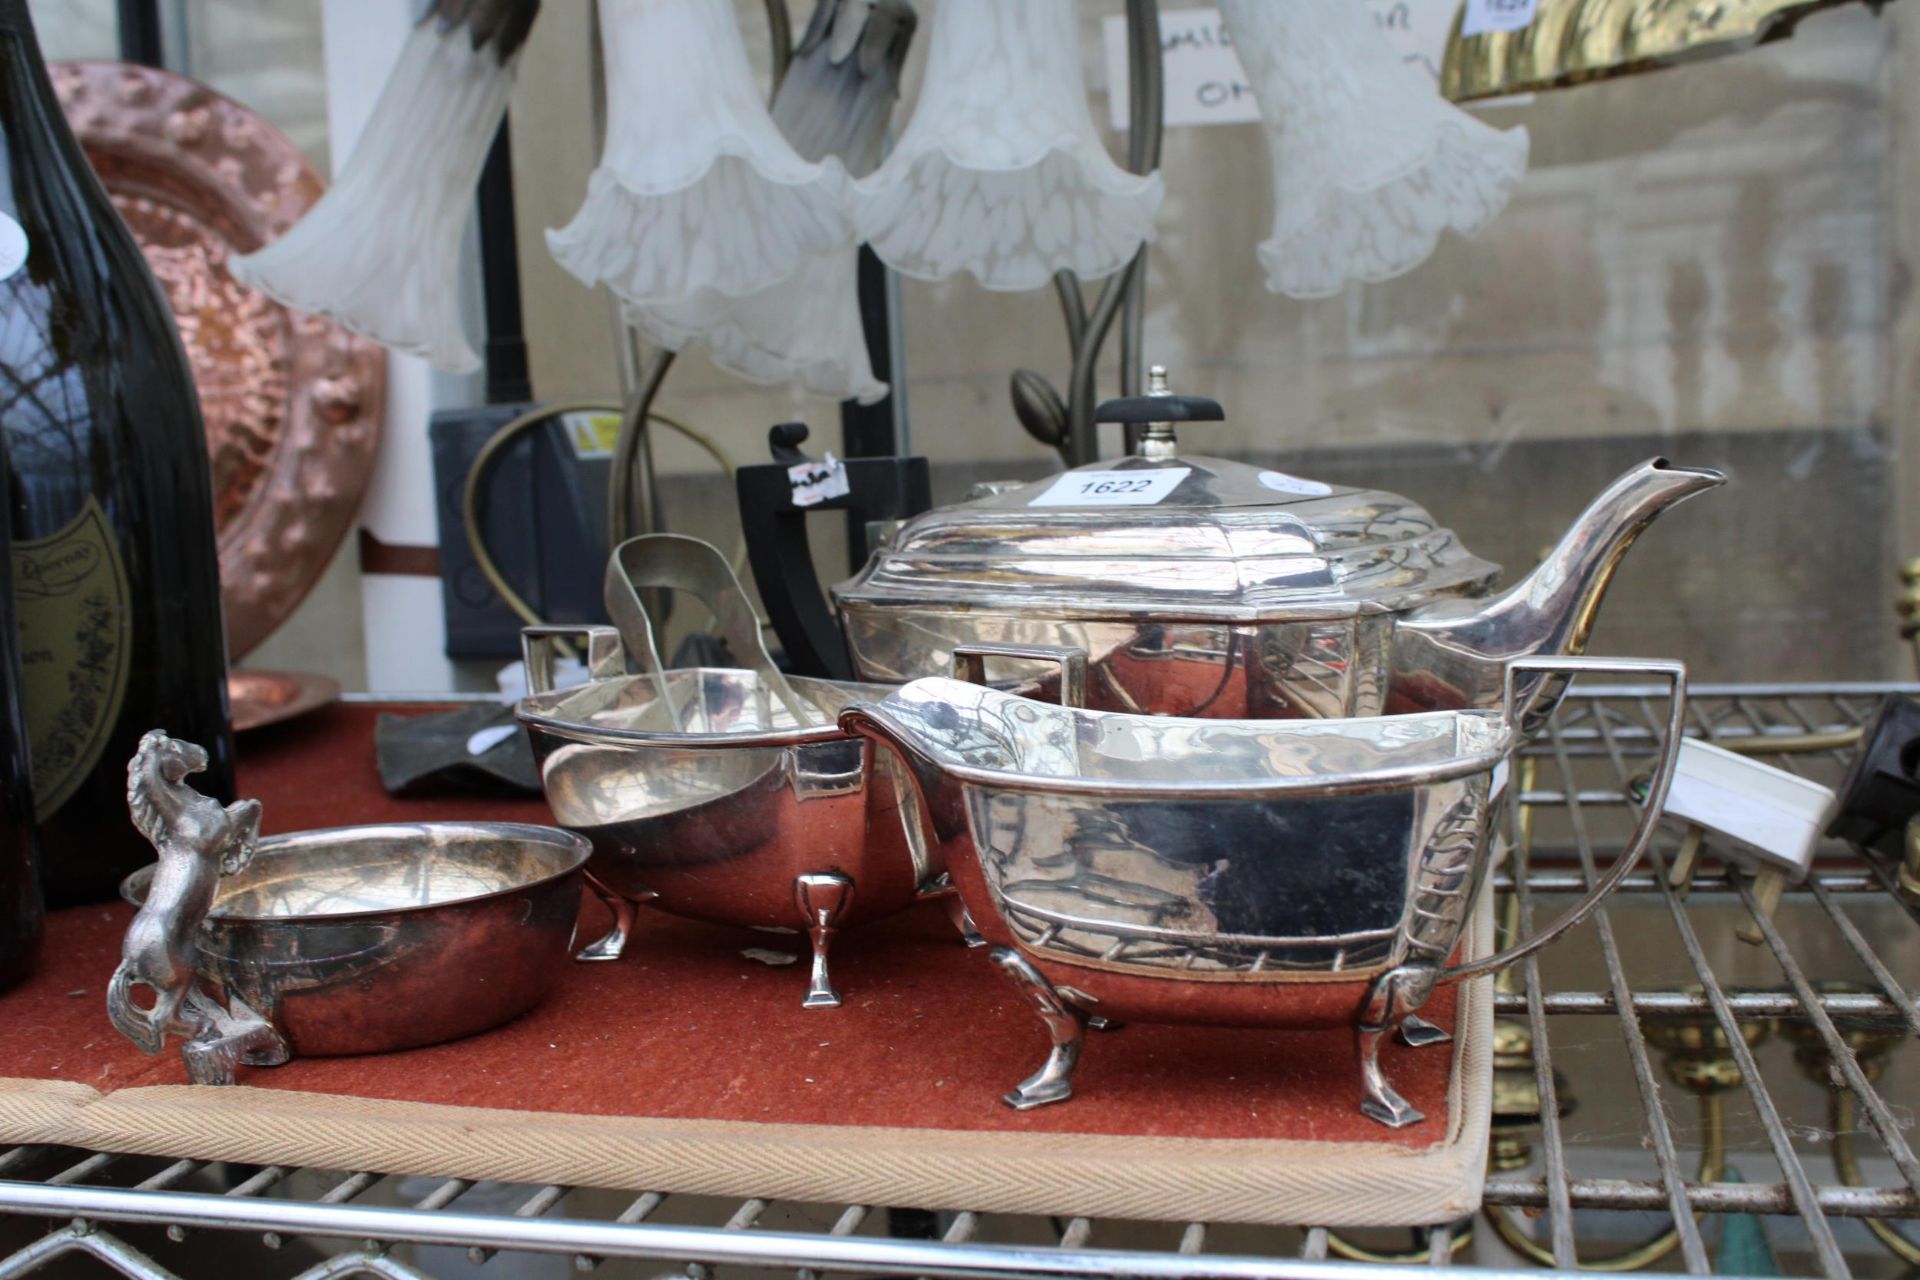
(806, 329)
(696, 191)
(1370, 163)
(379, 254)
(1001, 173)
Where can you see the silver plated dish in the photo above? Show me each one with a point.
(703, 797)
(344, 941)
(1265, 874)
(726, 795)
(1205, 587)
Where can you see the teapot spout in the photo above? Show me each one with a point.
(1452, 653)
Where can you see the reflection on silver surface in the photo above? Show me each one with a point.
(377, 869)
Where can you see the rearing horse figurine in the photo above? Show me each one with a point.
(198, 840)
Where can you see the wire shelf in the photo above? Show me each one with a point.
(1754, 1111)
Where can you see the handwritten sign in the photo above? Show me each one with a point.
(1205, 83)
(1417, 28)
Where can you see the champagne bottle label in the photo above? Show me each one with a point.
(76, 628)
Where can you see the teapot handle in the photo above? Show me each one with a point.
(1675, 674)
(970, 664)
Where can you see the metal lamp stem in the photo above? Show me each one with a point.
(1123, 296)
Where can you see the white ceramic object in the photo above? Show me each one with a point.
(696, 191)
(379, 254)
(1001, 172)
(1772, 818)
(1370, 163)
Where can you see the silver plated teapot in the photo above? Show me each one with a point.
(1204, 587)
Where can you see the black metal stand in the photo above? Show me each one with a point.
(508, 380)
(867, 430)
(782, 557)
(141, 33)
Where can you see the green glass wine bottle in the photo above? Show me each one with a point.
(115, 569)
(20, 907)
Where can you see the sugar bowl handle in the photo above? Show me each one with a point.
(970, 664)
(197, 840)
(605, 657)
(1675, 674)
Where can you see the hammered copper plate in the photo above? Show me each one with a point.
(268, 697)
(292, 402)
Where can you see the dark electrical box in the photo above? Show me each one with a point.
(544, 517)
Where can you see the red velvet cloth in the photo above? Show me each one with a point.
(685, 1026)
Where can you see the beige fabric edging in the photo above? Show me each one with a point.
(1176, 1179)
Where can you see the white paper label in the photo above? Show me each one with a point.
(1204, 82)
(1281, 482)
(815, 482)
(1112, 488)
(1482, 16)
(13, 247)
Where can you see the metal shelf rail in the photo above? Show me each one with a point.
(1553, 1192)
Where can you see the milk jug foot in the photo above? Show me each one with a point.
(613, 944)
(1066, 1027)
(822, 899)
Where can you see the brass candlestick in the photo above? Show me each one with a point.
(1872, 1042)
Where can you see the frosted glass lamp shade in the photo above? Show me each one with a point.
(379, 254)
(696, 189)
(806, 329)
(1370, 163)
(1001, 173)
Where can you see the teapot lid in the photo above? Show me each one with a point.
(1174, 535)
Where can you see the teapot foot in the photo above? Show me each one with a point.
(822, 899)
(1416, 1032)
(1066, 1027)
(613, 944)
